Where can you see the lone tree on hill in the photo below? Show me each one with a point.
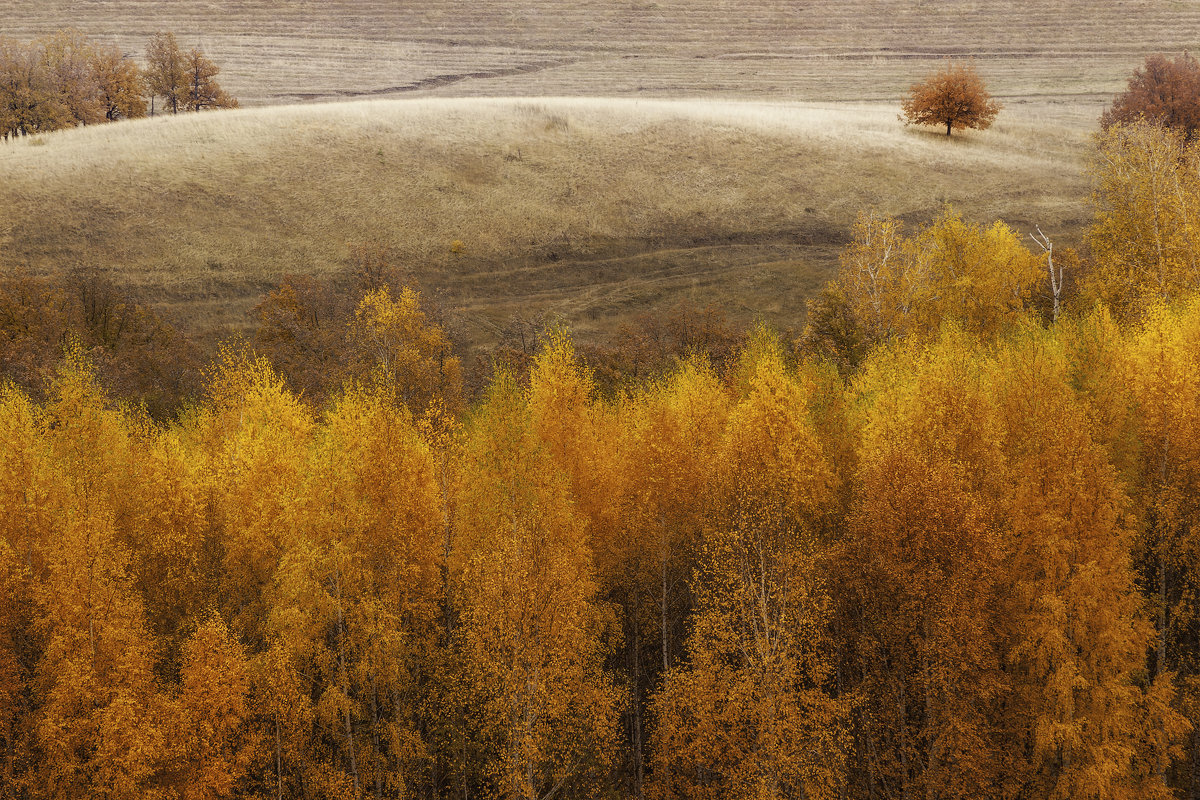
(953, 96)
(1164, 92)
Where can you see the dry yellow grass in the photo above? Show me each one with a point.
(596, 209)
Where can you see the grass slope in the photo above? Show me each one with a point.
(596, 209)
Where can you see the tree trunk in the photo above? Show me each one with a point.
(462, 769)
(664, 609)
(375, 738)
(278, 762)
(10, 766)
(1195, 782)
(1161, 660)
(931, 757)
(345, 681)
(637, 713)
(949, 124)
(903, 744)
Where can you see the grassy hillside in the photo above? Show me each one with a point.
(597, 209)
(277, 51)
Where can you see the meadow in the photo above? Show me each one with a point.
(595, 209)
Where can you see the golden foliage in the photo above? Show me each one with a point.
(969, 570)
(395, 336)
(893, 286)
(212, 739)
(749, 712)
(1146, 234)
(531, 632)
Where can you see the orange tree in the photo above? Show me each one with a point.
(953, 96)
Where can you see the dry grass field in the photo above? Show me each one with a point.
(596, 209)
(819, 50)
(740, 188)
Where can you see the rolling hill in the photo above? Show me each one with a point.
(595, 209)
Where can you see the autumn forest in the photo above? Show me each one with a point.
(940, 544)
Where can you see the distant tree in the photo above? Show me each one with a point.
(895, 286)
(166, 70)
(1164, 92)
(183, 79)
(122, 88)
(63, 80)
(953, 96)
(29, 102)
(395, 335)
(832, 331)
(654, 343)
(202, 91)
(136, 354)
(67, 59)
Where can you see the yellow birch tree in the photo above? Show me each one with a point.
(751, 714)
(531, 629)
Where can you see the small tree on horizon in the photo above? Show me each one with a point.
(183, 80)
(166, 70)
(202, 91)
(953, 96)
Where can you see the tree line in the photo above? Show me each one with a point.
(969, 568)
(65, 80)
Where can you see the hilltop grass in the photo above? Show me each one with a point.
(595, 209)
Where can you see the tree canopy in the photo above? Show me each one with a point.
(1164, 91)
(954, 96)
